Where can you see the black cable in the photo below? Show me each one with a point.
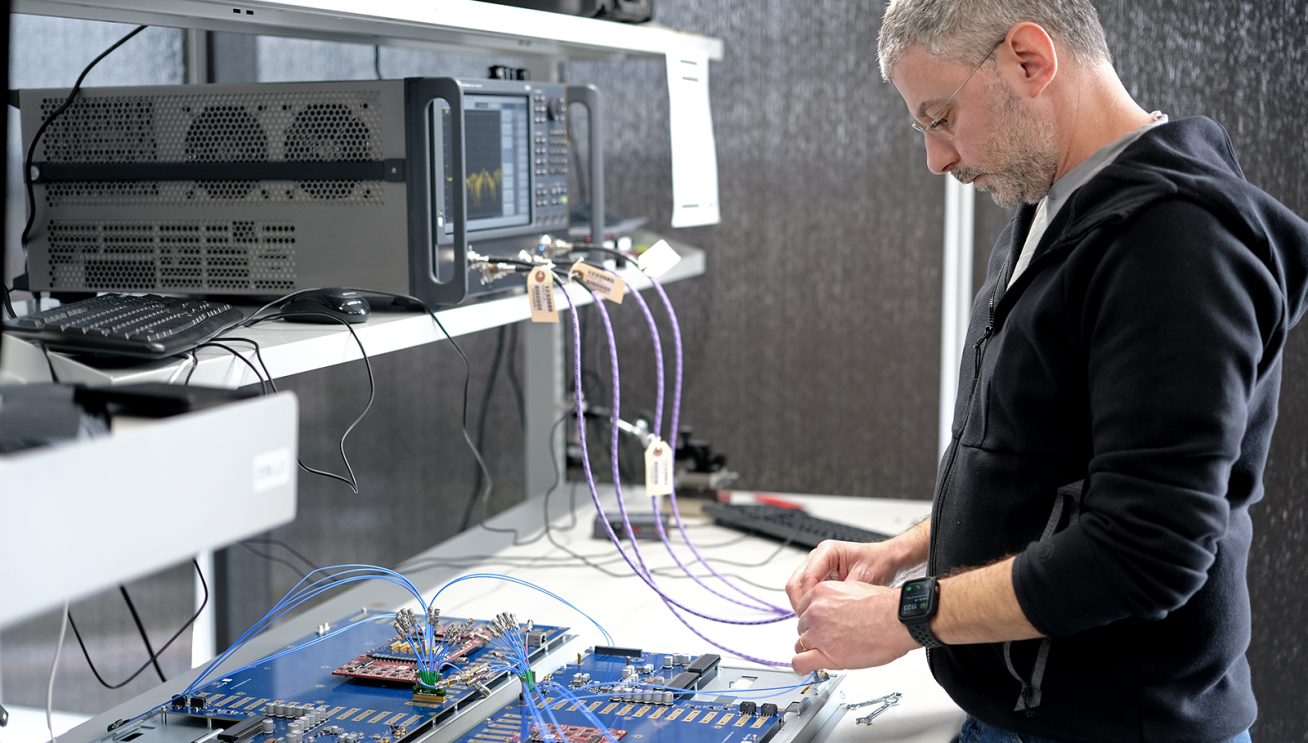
(49, 364)
(154, 656)
(352, 481)
(610, 251)
(278, 543)
(140, 627)
(376, 60)
(239, 357)
(467, 367)
(558, 479)
(272, 558)
(31, 150)
(481, 423)
(9, 307)
(513, 377)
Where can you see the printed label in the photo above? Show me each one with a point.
(540, 291)
(603, 283)
(658, 468)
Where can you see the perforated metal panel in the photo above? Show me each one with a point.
(139, 228)
(177, 256)
(220, 193)
(326, 126)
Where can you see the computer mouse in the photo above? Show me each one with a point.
(312, 306)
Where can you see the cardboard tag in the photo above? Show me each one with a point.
(658, 468)
(540, 292)
(603, 283)
(658, 260)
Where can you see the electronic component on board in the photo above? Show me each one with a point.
(617, 652)
(241, 730)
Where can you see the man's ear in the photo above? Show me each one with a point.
(1032, 60)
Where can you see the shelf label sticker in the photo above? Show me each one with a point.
(272, 469)
(658, 468)
(607, 285)
(540, 291)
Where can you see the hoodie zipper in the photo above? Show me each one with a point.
(977, 350)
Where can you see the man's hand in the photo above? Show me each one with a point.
(840, 561)
(849, 624)
(878, 563)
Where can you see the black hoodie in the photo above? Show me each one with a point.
(1138, 356)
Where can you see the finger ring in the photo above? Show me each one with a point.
(802, 645)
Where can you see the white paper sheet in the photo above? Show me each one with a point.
(694, 152)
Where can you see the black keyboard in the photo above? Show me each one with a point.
(793, 524)
(149, 327)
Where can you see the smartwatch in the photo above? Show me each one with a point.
(918, 601)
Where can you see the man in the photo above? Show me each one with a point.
(1117, 395)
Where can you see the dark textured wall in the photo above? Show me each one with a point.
(814, 336)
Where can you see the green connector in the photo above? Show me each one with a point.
(427, 681)
(528, 680)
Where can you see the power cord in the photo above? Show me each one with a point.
(481, 422)
(31, 150)
(153, 656)
(352, 480)
(140, 627)
(414, 302)
(273, 558)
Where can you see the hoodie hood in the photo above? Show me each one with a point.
(1191, 159)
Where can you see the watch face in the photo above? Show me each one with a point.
(915, 600)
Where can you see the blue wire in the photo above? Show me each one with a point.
(298, 596)
(585, 711)
(607, 637)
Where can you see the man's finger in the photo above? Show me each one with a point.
(806, 662)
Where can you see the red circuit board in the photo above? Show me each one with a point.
(568, 733)
(394, 662)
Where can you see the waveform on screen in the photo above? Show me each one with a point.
(484, 187)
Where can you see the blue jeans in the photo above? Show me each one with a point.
(975, 731)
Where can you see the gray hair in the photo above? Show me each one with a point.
(962, 30)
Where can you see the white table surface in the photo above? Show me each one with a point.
(630, 611)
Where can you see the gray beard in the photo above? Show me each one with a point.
(1025, 151)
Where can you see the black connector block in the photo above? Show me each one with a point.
(618, 652)
(241, 730)
(685, 680)
(706, 666)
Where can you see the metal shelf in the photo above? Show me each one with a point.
(290, 348)
(71, 510)
(447, 25)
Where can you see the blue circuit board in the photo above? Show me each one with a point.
(356, 709)
(628, 711)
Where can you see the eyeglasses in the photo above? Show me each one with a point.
(936, 121)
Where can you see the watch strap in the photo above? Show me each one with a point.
(923, 635)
